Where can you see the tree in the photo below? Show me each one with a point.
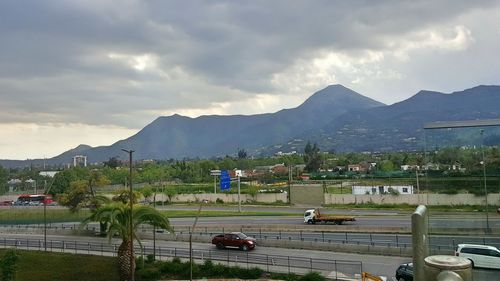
(81, 193)
(312, 158)
(387, 166)
(242, 154)
(117, 216)
(3, 180)
(113, 162)
(147, 192)
(9, 265)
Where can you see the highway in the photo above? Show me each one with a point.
(275, 259)
(366, 219)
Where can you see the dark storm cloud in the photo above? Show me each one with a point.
(73, 61)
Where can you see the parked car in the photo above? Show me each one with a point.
(6, 203)
(480, 255)
(234, 239)
(405, 272)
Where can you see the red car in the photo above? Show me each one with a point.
(6, 203)
(234, 239)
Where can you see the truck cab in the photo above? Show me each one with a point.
(310, 216)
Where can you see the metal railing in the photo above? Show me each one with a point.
(437, 243)
(336, 269)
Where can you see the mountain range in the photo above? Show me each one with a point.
(336, 118)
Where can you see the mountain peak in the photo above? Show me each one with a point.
(338, 94)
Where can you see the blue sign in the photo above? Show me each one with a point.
(225, 180)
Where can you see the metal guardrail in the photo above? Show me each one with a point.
(338, 269)
(437, 243)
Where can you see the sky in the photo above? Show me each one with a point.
(97, 71)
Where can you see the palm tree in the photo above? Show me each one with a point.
(117, 217)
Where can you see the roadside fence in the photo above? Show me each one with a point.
(334, 269)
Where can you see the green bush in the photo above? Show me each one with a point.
(149, 273)
(179, 270)
(448, 191)
(9, 265)
(150, 259)
(285, 276)
(312, 276)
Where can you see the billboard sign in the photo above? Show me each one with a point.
(225, 180)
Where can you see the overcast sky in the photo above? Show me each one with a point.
(97, 71)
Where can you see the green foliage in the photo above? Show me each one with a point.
(113, 162)
(46, 266)
(219, 201)
(312, 276)
(387, 166)
(393, 191)
(285, 276)
(176, 269)
(76, 196)
(3, 180)
(9, 264)
(242, 154)
(449, 191)
(312, 158)
(117, 217)
(147, 192)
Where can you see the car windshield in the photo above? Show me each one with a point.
(241, 235)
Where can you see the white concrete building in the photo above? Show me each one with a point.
(382, 189)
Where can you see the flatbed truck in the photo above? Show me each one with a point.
(314, 216)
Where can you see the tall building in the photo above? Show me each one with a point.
(80, 160)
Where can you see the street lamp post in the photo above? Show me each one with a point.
(45, 215)
(191, 241)
(484, 180)
(131, 217)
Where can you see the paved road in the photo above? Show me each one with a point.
(380, 265)
(376, 218)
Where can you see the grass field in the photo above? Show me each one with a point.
(34, 215)
(42, 266)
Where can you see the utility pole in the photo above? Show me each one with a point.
(239, 201)
(484, 179)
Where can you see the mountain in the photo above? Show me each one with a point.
(336, 118)
(400, 126)
(206, 136)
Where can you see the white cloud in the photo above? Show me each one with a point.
(95, 63)
(454, 39)
(30, 140)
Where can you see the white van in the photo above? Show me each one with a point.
(479, 255)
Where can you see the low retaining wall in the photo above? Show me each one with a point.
(231, 198)
(414, 199)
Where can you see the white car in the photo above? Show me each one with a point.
(480, 255)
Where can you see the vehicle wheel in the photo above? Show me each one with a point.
(244, 248)
(313, 221)
(401, 279)
(309, 222)
(220, 246)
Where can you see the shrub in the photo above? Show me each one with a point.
(9, 265)
(219, 201)
(312, 276)
(150, 273)
(449, 191)
(285, 276)
(150, 259)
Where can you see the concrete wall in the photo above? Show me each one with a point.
(227, 198)
(413, 199)
(306, 194)
(311, 194)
